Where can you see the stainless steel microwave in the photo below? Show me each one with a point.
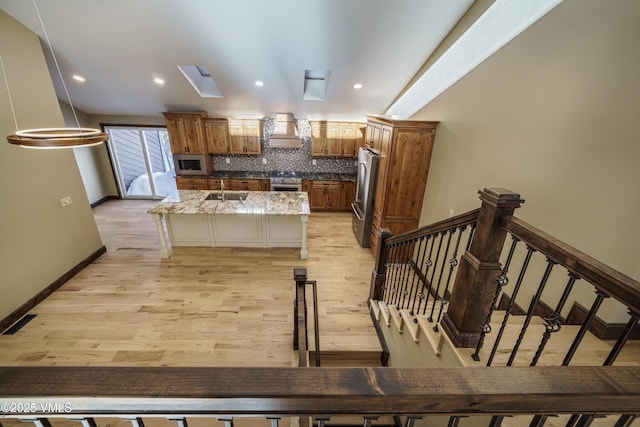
(190, 164)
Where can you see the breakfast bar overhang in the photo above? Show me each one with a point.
(255, 219)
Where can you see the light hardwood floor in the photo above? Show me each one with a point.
(201, 307)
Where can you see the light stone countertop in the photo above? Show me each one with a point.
(257, 203)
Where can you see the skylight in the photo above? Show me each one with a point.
(201, 80)
(315, 84)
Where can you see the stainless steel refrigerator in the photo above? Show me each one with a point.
(362, 206)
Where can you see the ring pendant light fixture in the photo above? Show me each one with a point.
(53, 137)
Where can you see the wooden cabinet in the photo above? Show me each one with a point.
(216, 183)
(405, 152)
(216, 134)
(329, 195)
(247, 184)
(348, 194)
(325, 195)
(183, 183)
(186, 132)
(318, 139)
(195, 133)
(204, 183)
(244, 136)
(336, 139)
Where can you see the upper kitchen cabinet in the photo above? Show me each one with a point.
(217, 135)
(186, 132)
(244, 136)
(405, 148)
(336, 139)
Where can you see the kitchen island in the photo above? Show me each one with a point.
(262, 219)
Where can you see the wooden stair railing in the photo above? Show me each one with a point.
(300, 319)
(171, 392)
(406, 267)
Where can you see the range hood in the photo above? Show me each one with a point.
(285, 134)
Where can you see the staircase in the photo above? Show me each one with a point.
(405, 329)
(592, 351)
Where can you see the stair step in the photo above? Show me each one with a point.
(384, 310)
(351, 359)
(375, 309)
(435, 338)
(591, 351)
(412, 324)
(396, 317)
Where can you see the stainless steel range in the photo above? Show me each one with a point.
(286, 181)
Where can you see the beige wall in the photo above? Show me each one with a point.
(39, 239)
(553, 116)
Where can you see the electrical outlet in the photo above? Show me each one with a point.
(450, 212)
(314, 162)
(264, 161)
(65, 201)
(227, 160)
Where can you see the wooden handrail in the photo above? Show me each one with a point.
(437, 227)
(92, 391)
(613, 283)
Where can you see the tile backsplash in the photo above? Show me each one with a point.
(284, 159)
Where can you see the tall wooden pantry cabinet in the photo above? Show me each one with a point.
(405, 148)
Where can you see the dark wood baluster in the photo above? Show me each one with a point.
(422, 253)
(387, 284)
(427, 264)
(501, 281)
(402, 295)
(182, 422)
(625, 420)
(470, 238)
(454, 421)
(453, 263)
(585, 326)
(444, 257)
(617, 348)
(135, 421)
(38, 422)
(391, 277)
(322, 420)
(552, 324)
(512, 302)
(624, 337)
(415, 283)
(397, 274)
(435, 267)
(379, 273)
(411, 420)
(530, 312)
(368, 419)
(496, 421)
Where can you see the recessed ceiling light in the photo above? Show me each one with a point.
(259, 83)
(79, 78)
(357, 86)
(158, 81)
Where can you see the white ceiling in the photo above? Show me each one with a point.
(119, 46)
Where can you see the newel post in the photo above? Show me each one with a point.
(475, 281)
(380, 269)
